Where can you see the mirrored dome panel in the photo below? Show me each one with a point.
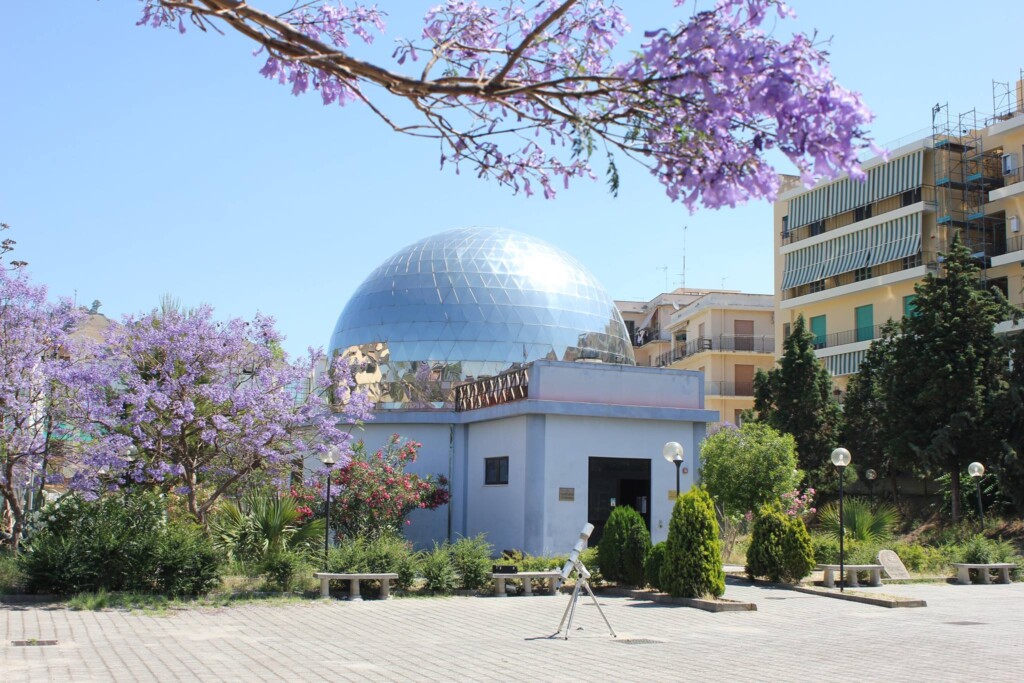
(471, 303)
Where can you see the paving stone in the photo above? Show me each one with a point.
(792, 636)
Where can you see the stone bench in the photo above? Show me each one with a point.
(851, 574)
(553, 577)
(963, 574)
(353, 582)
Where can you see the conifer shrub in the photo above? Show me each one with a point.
(780, 547)
(693, 552)
(624, 546)
(653, 564)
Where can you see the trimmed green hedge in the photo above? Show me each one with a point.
(693, 552)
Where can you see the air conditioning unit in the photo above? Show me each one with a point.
(1014, 224)
(1009, 164)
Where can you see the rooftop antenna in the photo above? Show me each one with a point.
(684, 258)
(665, 270)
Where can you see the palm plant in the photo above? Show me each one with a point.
(263, 525)
(862, 523)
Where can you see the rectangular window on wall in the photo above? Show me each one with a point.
(496, 471)
(818, 330)
(865, 317)
(785, 331)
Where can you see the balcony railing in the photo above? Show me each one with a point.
(926, 193)
(1015, 243)
(722, 342)
(859, 334)
(719, 388)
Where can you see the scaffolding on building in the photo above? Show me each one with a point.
(965, 172)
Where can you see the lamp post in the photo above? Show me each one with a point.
(328, 459)
(977, 471)
(840, 459)
(871, 475)
(673, 452)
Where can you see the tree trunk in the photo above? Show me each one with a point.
(16, 521)
(954, 487)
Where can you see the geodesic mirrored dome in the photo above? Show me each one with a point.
(471, 303)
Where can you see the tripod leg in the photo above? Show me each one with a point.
(572, 613)
(568, 608)
(598, 605)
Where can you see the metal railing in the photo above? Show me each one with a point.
(722, 342)
(848, 337)
(1015, 243)
(721, 388)
(513, 385)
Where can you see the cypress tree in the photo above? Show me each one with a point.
(796, 398)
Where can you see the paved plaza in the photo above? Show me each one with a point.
(965, 633)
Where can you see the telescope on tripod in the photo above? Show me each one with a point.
(574, 564)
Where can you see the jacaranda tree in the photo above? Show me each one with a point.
(209, 408)
(41, 385)
(531, 92)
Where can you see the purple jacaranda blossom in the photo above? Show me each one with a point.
(527, 91)
(44, 386)
(206, 408)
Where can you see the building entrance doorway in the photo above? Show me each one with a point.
(614, 482)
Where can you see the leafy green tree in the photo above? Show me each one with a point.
(1007, 415)
(948, 364)
(796, 398)
(747, 467)
(624, 546)
(692, 566)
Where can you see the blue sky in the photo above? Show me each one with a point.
(135, 163)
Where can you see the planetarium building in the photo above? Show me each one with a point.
(511, 365)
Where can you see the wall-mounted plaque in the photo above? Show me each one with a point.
(568, 494)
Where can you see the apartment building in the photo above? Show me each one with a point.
(848, 253)
(727, 335)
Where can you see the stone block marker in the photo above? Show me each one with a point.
(892, 564)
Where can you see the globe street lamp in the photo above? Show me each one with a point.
(871, 475)
(840, 459)
(328, 458)
(673, 452)
(977, 471)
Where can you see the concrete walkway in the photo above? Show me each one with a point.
(966, 632)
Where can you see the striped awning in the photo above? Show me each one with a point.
(885, 180)
(888, 241)
(844, 363)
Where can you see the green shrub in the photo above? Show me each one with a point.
(977, 550)
(387, 553)
(780, 547)
(861, 522)
(693, 554)
(653, 564)
(11, 579)
(186, 561)
(826, 549)
(438, 570)
(471, 558)
(117, 543)
(624, 547)
(282, 568)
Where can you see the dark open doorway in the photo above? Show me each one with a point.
(614, 482)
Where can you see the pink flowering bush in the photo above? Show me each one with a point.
(372, 494)
(796, 504)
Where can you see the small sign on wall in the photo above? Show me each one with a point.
(672, 494)
(568, 494)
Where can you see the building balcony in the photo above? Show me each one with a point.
(722, 342)
(720, 388)
(860, 334)
(1013, 185)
